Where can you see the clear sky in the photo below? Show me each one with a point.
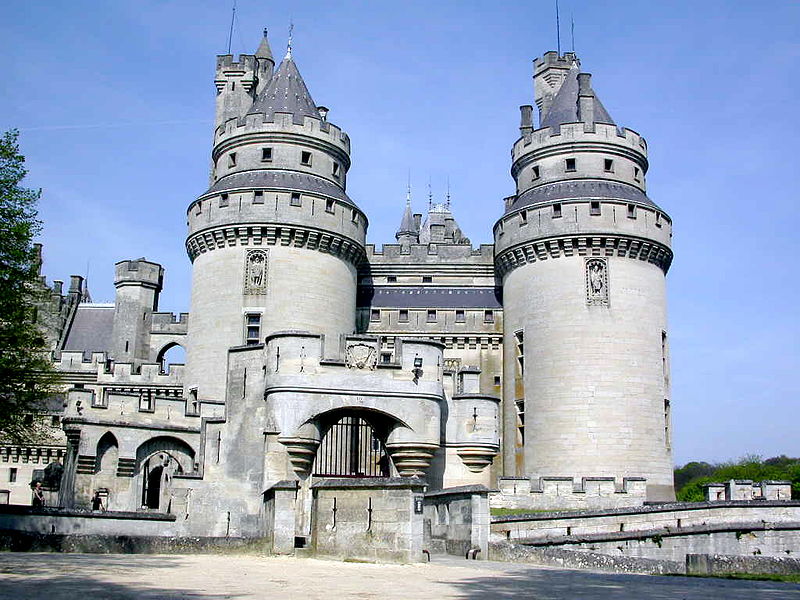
(115, 105)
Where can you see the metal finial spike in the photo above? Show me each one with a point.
(430, 195)
(408, 191)
(265, 32)
(448, 191)
(289, 43)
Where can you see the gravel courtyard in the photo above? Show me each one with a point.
(32, 576)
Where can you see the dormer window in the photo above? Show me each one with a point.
(266, 155)
(569, 164)
(608, 165)
(231, 159)
(305, 158)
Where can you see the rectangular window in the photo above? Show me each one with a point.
(497, 380)
(636, 173)
(354, 215)
(223, 200)
(557, 210)
(488, 316)
(461, 316)
(391, 279)
(658, 219)
(266, 155)
(386, 357)
(295, 200)
(631, 211)
(145, 403)
(535, 173)
(375, 315)
(232, 159)
(523, 217)
(329, 206)
(569, 164)
(403, 317)
(427, 279)
(594, 208)
(608, 165)
(335, 169)
(521, 421)
(305, 158)
(258, 197)
(12, 474)
(252, 328)
(431, 316)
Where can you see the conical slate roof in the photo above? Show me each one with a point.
(407, 223)
(286, 93)
(565, 107)
(264, 51)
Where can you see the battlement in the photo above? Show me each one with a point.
(746, 489)
(576, 133)
(138, 272)
(167, 322)
(225, 62)
(430, 253)
(555, 493)
(228, 133)
(72, 361)
(149, 374)
(553, 59)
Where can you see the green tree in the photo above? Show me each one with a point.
(27, 377)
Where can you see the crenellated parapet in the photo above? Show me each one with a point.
(170, 323)
(562, 493)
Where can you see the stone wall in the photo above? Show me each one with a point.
(369, 519)
(565, 493)
(717, 564)
(457, 521)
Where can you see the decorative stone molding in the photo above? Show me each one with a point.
(274, 235)
(255, 269)
(301, 453)
(599, 245)
(411, 460)
(477, 457)
(361, 356)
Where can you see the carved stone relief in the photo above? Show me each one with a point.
(361, 356)
(255, 271)
(596, 282)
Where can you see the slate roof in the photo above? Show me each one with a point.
(286, 93)
(264, 51)
(429, 297)
(407, 223)
(565, 107)
(280, 180)
(567, 190)
(91, 329)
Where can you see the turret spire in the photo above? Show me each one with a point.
(264, 51)
(289, 43)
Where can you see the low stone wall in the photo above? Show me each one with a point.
(572, 559)
(457, 521)
(378, 519)
(85, 522)
(717, 564)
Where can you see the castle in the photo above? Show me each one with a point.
(326, 377)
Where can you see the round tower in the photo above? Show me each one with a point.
(583, 253)
(275, 240)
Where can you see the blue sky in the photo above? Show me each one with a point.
(115, 105)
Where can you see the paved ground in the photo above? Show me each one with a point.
(213, 577)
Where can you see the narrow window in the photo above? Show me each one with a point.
(223, 200)
(461, 317)
(488, 316)
(403, 317)
(295, 199)
(636, 173)
(521, 421)
(266, 155)
(519, 339)
(252, 328)
(335, 169)
(329, 206)
(523, 217)
(375, 315)
(631, 211)
(557, 210)
(354, 215)
(594, 208)
(305, 158)
(386, 357)
(391, 279)
(232, 159)
(497, 380)
(431, 316)
(12, 474)
(535, 173)
(608, 165)
(427, 279)
(569, 164)
(258, 197)
(658, 219)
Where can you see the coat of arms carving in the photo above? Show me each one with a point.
(361, 356)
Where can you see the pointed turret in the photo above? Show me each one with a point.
(408, 233)
(286, 93)
(265, 64)
(575, 102)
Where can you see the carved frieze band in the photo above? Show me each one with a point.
(274, 235)
(640, 249)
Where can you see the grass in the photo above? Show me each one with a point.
(504, 512)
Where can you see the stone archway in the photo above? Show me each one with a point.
(353, 445)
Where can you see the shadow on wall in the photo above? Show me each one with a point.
(32, 579)
(517, 582)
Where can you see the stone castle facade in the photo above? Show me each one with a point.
(318, 362)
